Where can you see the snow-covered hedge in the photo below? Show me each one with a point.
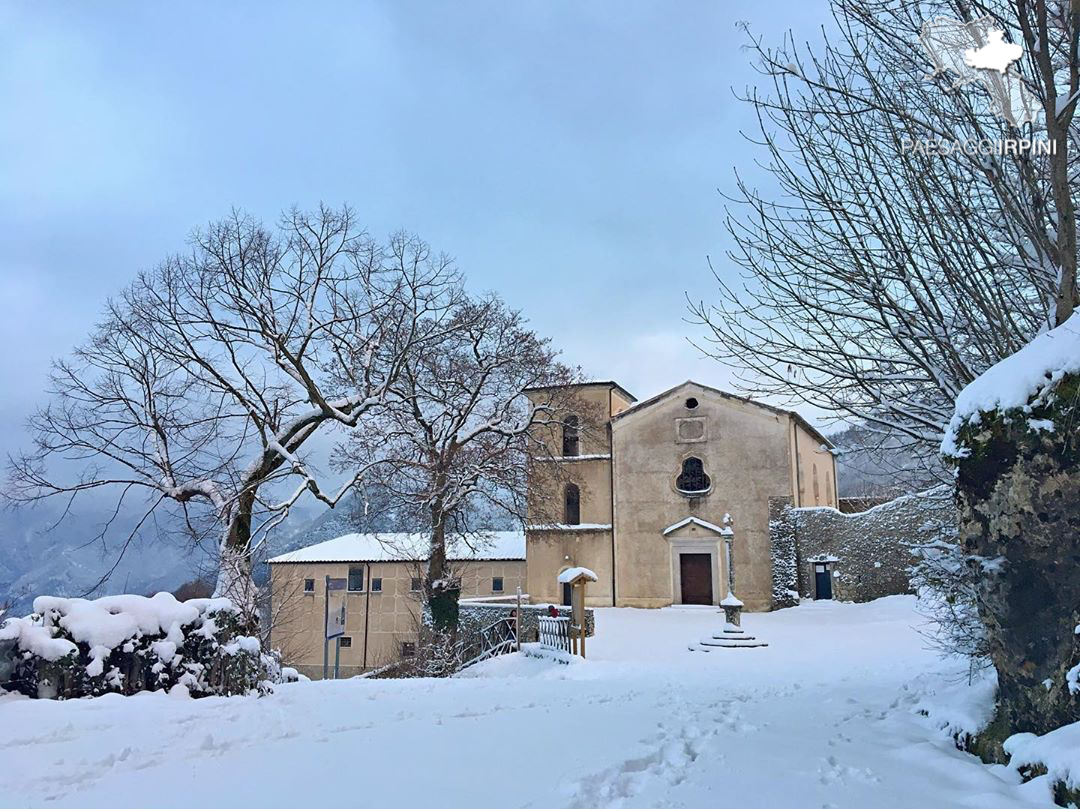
(74, 647)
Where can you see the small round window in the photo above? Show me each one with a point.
(691, 403)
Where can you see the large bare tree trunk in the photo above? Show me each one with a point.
(234, 580)
(443, 590)
(1019, 498)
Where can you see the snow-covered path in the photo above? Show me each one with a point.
(823, 717)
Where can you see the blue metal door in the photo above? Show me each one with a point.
(823, 582)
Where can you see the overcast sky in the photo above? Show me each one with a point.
(568, 155)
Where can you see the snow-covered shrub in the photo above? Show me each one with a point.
(947, 582)
(74, 647)
(784, 551)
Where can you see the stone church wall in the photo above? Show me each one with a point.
(868, 554)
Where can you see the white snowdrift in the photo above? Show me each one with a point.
(824, 716)
(1058, 751)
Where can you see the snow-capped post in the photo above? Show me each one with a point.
(577, 578)
(731, 605)
(731, 635)
(732, 609)
(517, 622)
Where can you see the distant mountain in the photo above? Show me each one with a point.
(39, 556)
(873, 465)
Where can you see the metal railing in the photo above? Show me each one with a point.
(497, 639)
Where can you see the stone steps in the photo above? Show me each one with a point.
(733, 643)
(729, 638)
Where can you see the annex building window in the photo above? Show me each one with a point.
(497, 584)
(415, 584)
(376, 584)
(572, 502)
(408, 649)
(693, 480)
(571, 444)
(346, 642)
(309, 585)
(356, 579)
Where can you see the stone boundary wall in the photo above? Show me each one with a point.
(475, 616)
(868, 553)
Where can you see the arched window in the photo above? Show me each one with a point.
(570, 443)
(572, 505)
(693, 479)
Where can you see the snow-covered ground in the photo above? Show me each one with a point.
(825, 716)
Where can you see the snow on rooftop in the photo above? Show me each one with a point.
(572, 573)
(403, 547)
(1017, 379)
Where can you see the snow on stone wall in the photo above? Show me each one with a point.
(868, 553)
(475, 616)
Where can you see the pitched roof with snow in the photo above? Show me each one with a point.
(572, 574)
(400, 547)
(605, 383)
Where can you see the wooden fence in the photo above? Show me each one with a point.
(555, 634)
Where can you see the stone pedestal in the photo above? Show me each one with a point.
(732, 636)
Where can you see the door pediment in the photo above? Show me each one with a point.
(695, 528)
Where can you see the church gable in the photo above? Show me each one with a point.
(693, 416)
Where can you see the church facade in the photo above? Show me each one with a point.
(648, 495)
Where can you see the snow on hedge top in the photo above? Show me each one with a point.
(392, 547)
(105, 623)
(111, 620)
(572, 573)
(1017, 379)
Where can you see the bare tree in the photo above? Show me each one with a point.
(883, 279)
(458, 434)
(877, 281)
(205, 382)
